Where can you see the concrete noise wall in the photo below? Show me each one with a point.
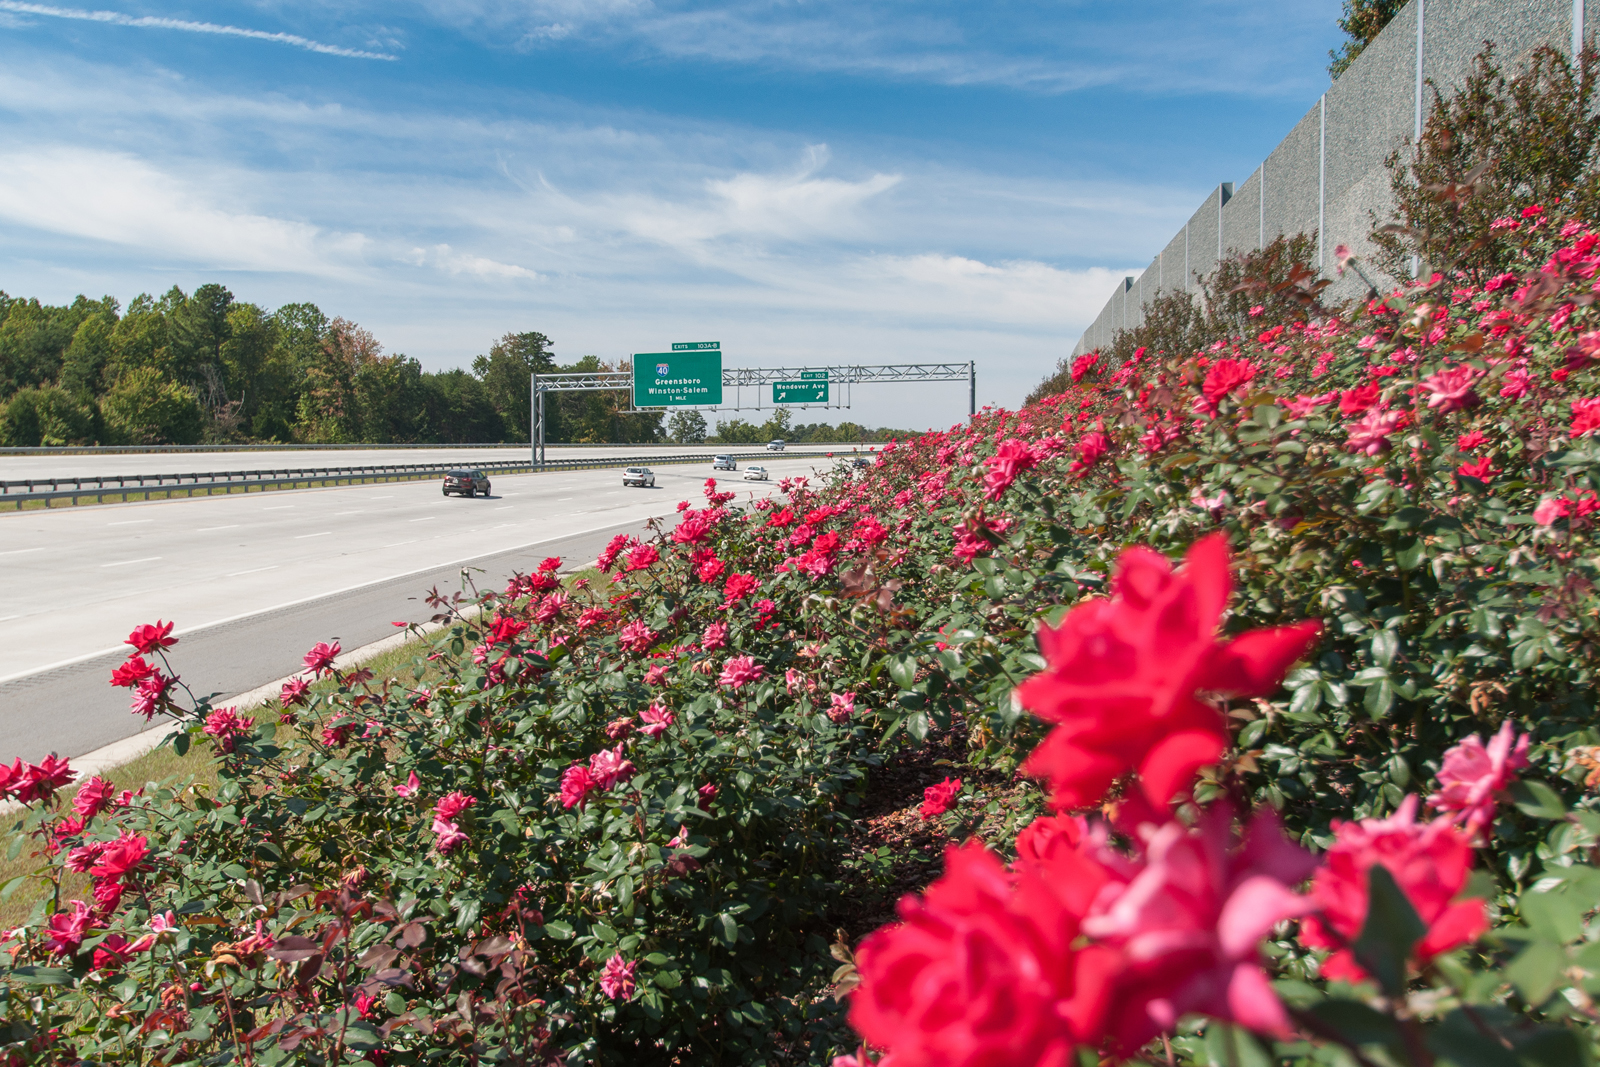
(1327, 176)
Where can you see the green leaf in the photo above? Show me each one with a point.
(1385, 644)
(558, 931)
(1533, 797)
(1537, 970)
(180, 743)
(903, 669)
(1554, 914)
(1233, 1046)
(1379, 698)
(1460, 1040)
(1409, 552)
(729, 928)
(1357, 1023)
(1391, 929)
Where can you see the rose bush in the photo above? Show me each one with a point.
(603, 822)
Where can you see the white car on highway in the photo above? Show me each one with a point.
(755, 474)
(643, 477)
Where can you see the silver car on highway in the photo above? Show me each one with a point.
(643, 477)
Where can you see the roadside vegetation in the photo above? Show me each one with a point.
(1324, 792)
(205, 367)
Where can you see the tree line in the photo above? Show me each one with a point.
(206, 368)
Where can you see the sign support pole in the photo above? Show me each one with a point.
(972, 389)
(533, 416)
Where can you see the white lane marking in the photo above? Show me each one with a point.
(129, 522)
(15, 551)
(338, 513)
(257, 570)
(508, 507)
(563, 500)
(389, 497)
(424, 518)
(279, 507)
(302, 537)
(124, 563)
(8, 618)
(208, 529)
(397, 544)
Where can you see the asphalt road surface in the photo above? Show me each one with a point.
(253, 581)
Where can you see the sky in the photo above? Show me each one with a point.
(809, 182)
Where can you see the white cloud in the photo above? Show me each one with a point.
(443, 257)
(152, 22)
(117, 198)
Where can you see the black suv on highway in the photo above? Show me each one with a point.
(466, 483)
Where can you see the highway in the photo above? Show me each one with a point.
(253, 581)
(16, 467)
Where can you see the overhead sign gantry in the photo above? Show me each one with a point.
(691, 375)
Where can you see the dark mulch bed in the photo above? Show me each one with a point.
(892, 850)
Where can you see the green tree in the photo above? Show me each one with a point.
(687, 427)
(778, 425)
(736, 431)
(457, 409)
(329, 410)
(47, 415)
(34, 338)
(1362, 22)
(87, 357)
(506, 373)
(146, 407)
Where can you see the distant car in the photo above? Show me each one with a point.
(755, 474)
(466, 483)
(724, 463)
(860, 461)
(643, 477)
(776, 444)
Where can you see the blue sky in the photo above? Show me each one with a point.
(806, 181)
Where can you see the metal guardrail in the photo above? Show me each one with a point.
(145, 486)
(121, 450)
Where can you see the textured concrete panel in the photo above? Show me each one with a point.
(1453, 33)
(1242, 217)
(1291, 188)
(1205, 233)
(1371, 113)
(1172, 256)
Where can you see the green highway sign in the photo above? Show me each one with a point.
(813, 375)
(696, 346)
(677, 379)
(809, 392)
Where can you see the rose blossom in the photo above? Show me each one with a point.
(616, 981)
(320, 659)
(1188, 920)
(1452, 388)
(636, 637)
(576, 785)
(1429, 861)
(1124, 672)
(609, 768)
(841, 706)
(149, 638)
(982, 970)
(1370, 436)
(936, 799)
(656, 719)
(1473, 775)
(715, 637)
(738, 671)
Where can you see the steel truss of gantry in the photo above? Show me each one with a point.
(741, 378)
